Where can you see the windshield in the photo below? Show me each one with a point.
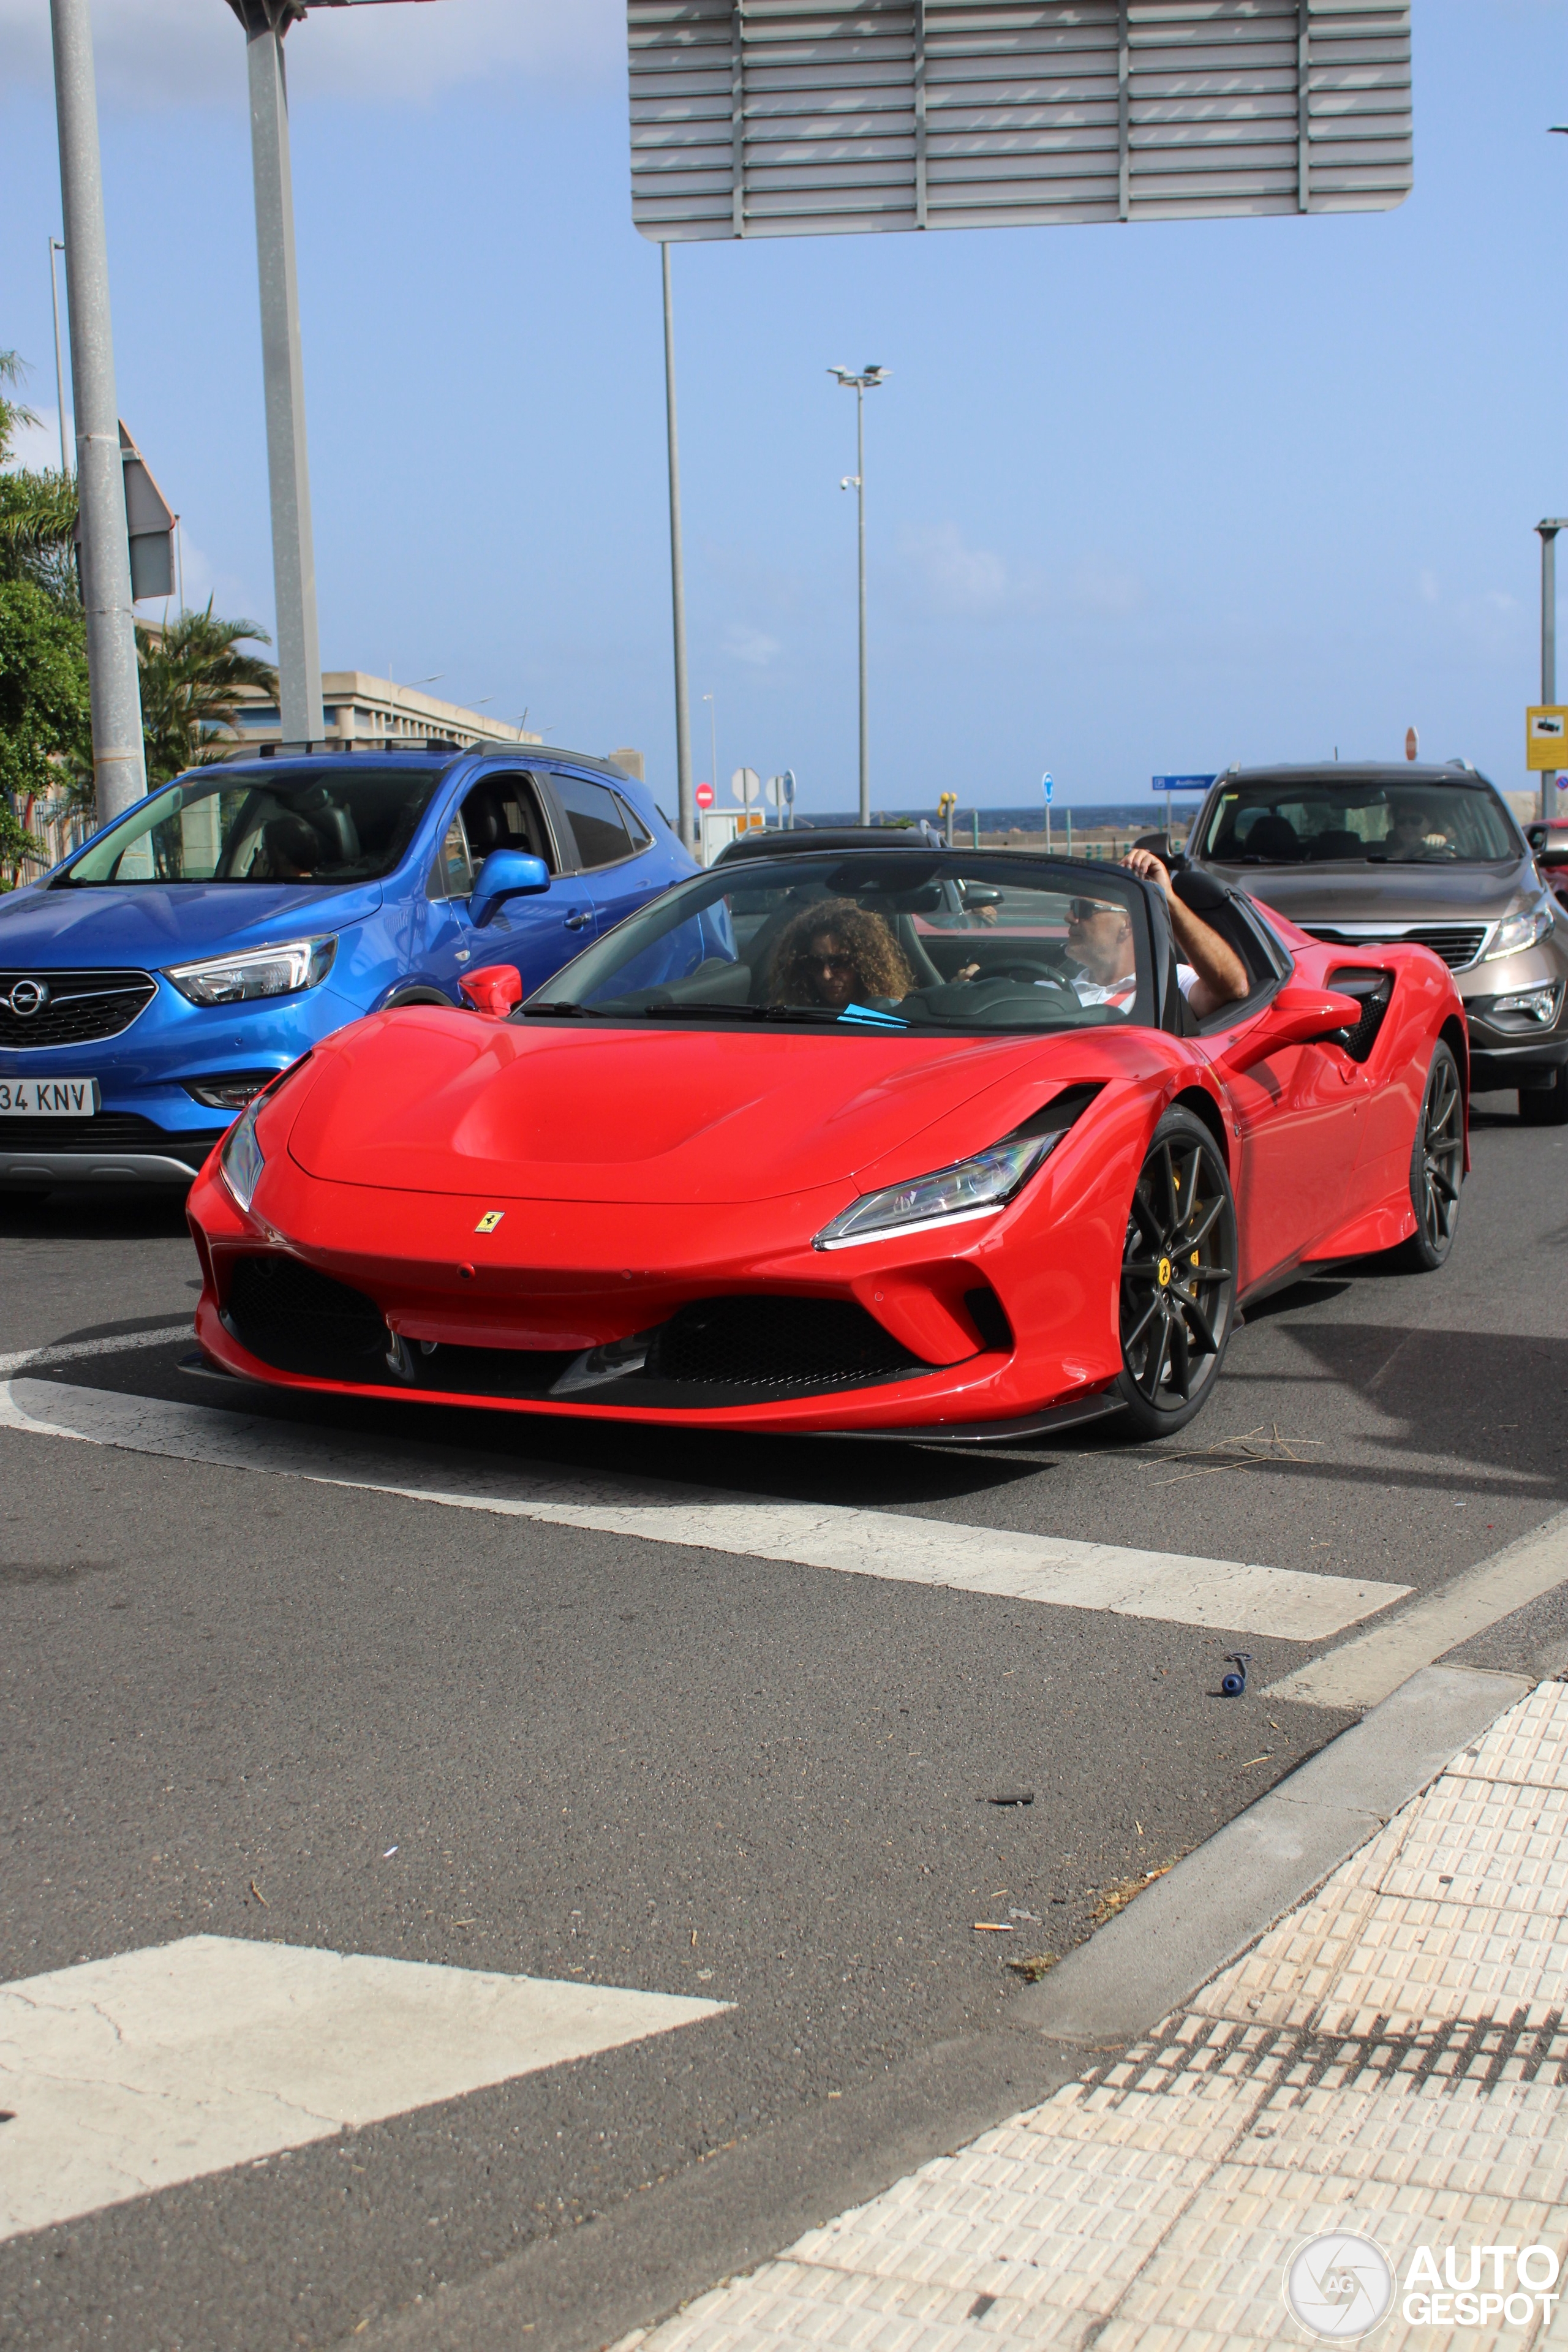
(900, 943)
(1320, 821)
(344, 824)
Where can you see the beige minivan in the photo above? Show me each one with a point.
(1355, 853)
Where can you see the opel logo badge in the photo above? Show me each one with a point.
(28, 997)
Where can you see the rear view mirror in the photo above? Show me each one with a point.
(981, 894)
(1293, 1016)
(506, 874)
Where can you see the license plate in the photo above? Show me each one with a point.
(48, 1098)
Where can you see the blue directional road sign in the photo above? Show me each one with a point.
(1182, 783)
(1048, 787)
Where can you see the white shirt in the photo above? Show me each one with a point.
(1119, 993)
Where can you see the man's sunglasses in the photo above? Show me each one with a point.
(1084, 910)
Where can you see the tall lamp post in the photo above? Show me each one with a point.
(862, 381)
(119, 767)
(685, 808)
(1549, 528)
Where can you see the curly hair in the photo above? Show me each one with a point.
(880, 968)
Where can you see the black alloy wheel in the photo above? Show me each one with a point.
(1178, 1277)
(1436, 1165)
(1546, 1106)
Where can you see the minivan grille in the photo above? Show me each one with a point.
(1458, 944)
(77, 1006)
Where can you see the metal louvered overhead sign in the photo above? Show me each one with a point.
(776, 118)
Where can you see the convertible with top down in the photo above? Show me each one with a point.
(843, 1134)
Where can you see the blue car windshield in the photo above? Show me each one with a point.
(342, 824)
(900, 943)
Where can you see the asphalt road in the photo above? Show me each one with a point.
(229, 1693)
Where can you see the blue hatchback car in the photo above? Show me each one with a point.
(156, 979)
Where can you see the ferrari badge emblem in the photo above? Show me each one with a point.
(1163, 1272)
(489, 1220)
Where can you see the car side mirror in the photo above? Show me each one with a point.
(494, 989)
(506, 874)
(1294, 1015)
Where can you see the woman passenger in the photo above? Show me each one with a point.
(835, 954)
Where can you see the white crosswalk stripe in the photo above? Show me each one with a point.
(129, 2075)
(1286, 1604)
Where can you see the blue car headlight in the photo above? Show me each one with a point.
(256, 971)
(973, 1187)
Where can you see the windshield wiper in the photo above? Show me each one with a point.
(577, 1011)
(807, 1012)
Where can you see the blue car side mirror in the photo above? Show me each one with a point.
(506, 874)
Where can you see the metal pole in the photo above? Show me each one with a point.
(118, 768)
(56, 246)
(860, 505)
(293, 549)
(685, 808)
(1548, 531)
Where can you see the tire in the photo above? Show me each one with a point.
(415, 996)
(1546, 1106)
(1178, 1277)
(1436, 1166)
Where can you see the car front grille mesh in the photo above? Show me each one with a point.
(777, 1343)
(1458, 944)
(78, 1007)
(715, 1351)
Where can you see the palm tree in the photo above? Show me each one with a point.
(191, 670)
(38, 510)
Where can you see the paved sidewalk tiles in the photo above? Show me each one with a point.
(1390, 2061)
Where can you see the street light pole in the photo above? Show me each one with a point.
(293, 547)
(865, 380)
(685, 808)
(56, 246)
(119, 767)
(1548, 529)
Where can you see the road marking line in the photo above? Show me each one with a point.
(126, 2075)
(1367, 1669)
(67, 1351)
(1285, 1603)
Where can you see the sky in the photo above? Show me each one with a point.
(1141, 498)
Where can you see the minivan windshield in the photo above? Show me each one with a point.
(896, 943)
(1321, 820)
(342, 824)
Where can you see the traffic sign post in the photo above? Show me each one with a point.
(703, 796)
(1047, 785)
(1170, 784)
(1545, 732)
(745, 784)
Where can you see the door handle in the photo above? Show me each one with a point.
(577, 920)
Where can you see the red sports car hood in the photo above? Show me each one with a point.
(429, 1101)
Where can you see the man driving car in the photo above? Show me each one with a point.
(1100, 941)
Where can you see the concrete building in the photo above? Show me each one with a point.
(376, 710)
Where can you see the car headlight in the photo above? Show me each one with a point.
(1517, 932)
(974, 1188)
(240, 1156)
(256, 971)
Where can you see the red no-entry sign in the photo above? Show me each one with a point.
(704, 795)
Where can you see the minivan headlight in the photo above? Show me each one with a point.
(973, 1187)
(256, 971)
(1517, 932)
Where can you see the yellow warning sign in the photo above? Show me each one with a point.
(1546, 735)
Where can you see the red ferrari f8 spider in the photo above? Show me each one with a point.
(888, 1140)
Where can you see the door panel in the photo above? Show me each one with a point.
(613, 846)
(1299, 1114)
(537, 934)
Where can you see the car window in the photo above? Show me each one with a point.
(640, 836)
(1318, 821)
(595, 815)
(902, 945)
(347, 823)
(452, 876)
(503, 812)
